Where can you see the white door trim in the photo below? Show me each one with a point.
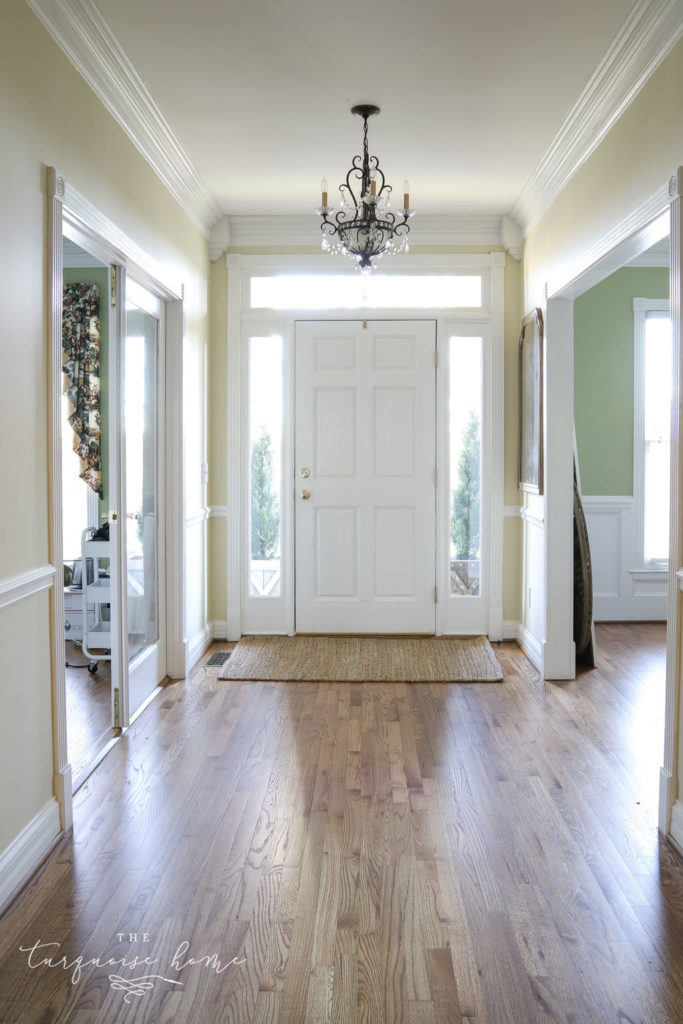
(65, 203)
(647, 224)
(241, 320)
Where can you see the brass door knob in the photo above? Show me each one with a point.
(305, 495)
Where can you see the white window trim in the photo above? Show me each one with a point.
(642, 569)
(244, 322)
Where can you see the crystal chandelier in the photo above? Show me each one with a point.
(364, 228)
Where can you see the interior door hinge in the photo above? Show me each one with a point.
(117, 709)
(436, 595)
(112, 279)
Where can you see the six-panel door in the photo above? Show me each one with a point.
(365, 477)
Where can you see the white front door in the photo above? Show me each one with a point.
(365, 451)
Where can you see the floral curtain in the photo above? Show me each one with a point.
(81, 369)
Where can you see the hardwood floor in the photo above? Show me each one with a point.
(370, 853)
(88, 702)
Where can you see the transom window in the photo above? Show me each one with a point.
(353, 291)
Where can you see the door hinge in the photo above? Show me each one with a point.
(112, 296)
(117, 709)
(365, 325)
(436, 595)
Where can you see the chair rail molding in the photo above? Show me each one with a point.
(25, 584)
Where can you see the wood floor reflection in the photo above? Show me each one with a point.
(368, 853)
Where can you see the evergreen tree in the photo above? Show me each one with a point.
(465, 503)
(265, 509)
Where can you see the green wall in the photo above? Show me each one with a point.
(603, 376)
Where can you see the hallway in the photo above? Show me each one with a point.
(368, 852)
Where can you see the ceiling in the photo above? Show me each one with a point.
(256, 95)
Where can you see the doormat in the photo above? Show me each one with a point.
(219, 658)
(364, 659)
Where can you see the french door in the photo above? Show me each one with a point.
(140, 462)
(365, 476)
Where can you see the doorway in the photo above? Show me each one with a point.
(112, 474)
(456, 558)
(365, 455)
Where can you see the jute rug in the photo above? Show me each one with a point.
(364, 659)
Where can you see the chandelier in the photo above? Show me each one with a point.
(364, 227)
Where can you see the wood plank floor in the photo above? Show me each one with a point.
(369, 853)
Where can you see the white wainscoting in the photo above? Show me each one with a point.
(620, 592)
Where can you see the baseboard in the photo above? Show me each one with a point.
(667, 795)
(198, 645)
(677, 823)
(25, 853)
(512, 629)
(219, 629)
(531, 647)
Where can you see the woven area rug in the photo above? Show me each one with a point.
(364, 659)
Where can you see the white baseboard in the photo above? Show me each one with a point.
(219, 629)
(198, 645)
(25, 853)
(667, 795)
(512, 629)
(531, 647)
(677, 823)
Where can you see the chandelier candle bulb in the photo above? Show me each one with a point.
(406, 195)
(373, 188)
(323, 189)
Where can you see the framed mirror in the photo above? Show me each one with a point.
(531, 403)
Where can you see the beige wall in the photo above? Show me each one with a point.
(218, 425)
(631, 165)
(48, 115)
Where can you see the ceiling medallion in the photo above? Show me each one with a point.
(364, 228)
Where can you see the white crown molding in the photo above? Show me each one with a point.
(650, 32)
(81, 32)
(243, 231)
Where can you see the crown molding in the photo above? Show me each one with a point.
(81, 32)
(650, 32)
(243, 231)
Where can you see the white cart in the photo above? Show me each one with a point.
(96, 595)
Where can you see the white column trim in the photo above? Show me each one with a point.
(56, 189)
(669, 782)
(559, 656)
(234, 446)
(497, 447)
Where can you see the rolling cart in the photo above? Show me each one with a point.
(97, 597)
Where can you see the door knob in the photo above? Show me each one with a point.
(305, 495)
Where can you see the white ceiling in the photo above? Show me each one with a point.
(259, 92)
(253, 97)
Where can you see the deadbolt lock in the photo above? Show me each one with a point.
(305, 473)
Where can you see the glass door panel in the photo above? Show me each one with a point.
(141, 417)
